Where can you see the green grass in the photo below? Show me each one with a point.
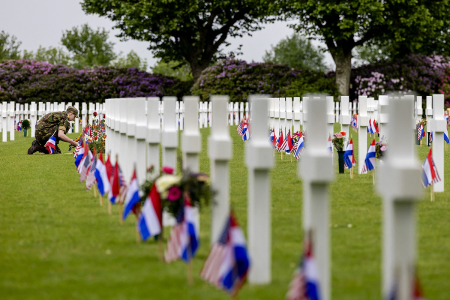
(56, 242)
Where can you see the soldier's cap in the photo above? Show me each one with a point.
(72, 110)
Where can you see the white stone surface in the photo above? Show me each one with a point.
(259, 160)
(220, 152)
(316, 171)
(363, 122)
(399, 182)
(439, 126)
(153, 134)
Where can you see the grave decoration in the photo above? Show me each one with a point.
(95, 136)
(380, 148)
(171, 189)
(338, 143)
(430, 174)
(25, 126)
(228, 261)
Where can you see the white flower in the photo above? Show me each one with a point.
(165, 182)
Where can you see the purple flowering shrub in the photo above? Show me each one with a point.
(419, 73)
(445, 87)
(26, 81)
(239, 79)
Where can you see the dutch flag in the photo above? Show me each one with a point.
(429, 171)
(349, 155)
(446, 135)
(132, 197)
(189, 238)
(149, 223)
(369, 162)
(102, 177)
(300, 145)
(51, 145)
(330, 144)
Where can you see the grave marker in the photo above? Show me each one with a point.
(317, 172)
(220, 152)
(345, 116)
(438, 127)
(297, 116)
(363, 122)
(399, 182)
(259, 160)
(153, 134)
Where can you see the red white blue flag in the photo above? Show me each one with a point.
(228, 262)
(132, 197)
(184, 237)
(430, 174)
(101, 175)
(150, 220)
(51, 144)
(369, 162)
(305, 283)
(349, 155)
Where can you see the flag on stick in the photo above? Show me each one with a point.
(51, 144)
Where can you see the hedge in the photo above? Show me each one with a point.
(25, 81)
(239, 79)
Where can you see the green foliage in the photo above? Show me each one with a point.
(88, 47)
(239, 79)
(312, 82)
(343, 25)
(191, 31)
(173, 68)
(26, 124)
(297, 52)
(132, 60)
(53, 55)
(9, 47)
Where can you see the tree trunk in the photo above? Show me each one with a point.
(197, 70)
(343, 70)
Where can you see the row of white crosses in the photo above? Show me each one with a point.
(285, 114)
(237, 112)
(34, 111)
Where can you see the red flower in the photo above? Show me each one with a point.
(95, 113)
(167, 170)
(174, 193)
(343, 133)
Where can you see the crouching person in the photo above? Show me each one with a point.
(53, 124)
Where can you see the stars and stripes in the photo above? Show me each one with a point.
(90, 180)
(305, 284)
(299, 146)
(228, 262)
(184, 237)
(280, 141)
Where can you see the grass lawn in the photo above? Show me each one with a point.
(56, 242)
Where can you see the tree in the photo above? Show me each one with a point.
(173, 68)
(344, 25)
(297, 52)
(9, 46)
(132, 60)
(88, 47)
(186, 31)
(51, 55)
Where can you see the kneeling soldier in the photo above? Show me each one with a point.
(57, 124)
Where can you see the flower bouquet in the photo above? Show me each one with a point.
(94, 135)
(171, 189)
(380, 148)
(338, 141)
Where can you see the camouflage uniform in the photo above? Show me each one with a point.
(49, 124)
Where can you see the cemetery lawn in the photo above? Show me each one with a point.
(56, 242)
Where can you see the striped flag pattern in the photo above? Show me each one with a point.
(174, 244)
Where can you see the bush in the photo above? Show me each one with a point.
(419, 73)
(26, 81)
(239, 79)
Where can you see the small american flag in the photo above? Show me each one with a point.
(240, 127)
(210, 271)
(174, 244)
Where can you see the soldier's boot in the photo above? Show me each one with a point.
(57, 150)
(34, 147)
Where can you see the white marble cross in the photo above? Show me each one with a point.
(438, 127)
(297, 114)
(259, 160)
(153, 135)
(345, 116)
(316, 170)
(220, 152)
(399, 182)
(363, 122)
